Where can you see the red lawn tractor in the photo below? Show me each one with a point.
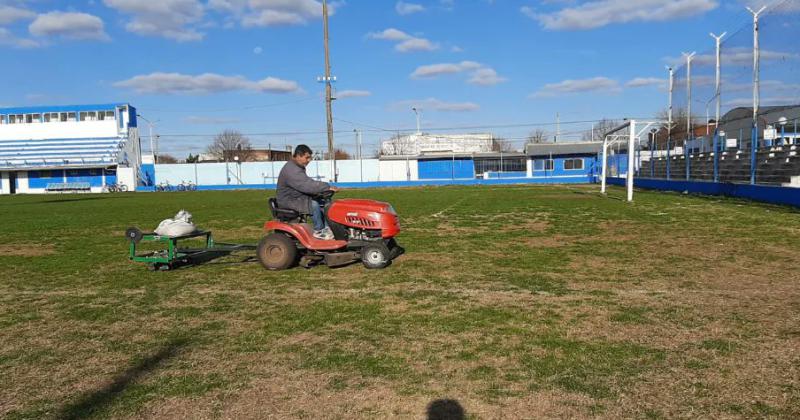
(363, 230)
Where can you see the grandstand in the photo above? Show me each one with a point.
(68, 148)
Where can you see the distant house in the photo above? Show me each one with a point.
(431, 144)
(252, 155)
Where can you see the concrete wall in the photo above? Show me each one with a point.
(254, 173)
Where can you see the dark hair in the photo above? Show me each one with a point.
(302, 150)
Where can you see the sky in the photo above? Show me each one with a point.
(197, 67)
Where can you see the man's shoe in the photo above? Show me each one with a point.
(321, 235)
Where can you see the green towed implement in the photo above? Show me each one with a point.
(173, 255)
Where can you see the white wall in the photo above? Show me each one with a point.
(399, 170)
(127, 176)
(59, 130)
(257, 173)
(5, 186)
(529, 166)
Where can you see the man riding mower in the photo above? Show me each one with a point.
(344, 231)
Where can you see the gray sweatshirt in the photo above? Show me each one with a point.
(295, 188)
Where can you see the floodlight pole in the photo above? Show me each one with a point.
(689, 58)
(631, 160)
(416, 112)
(756, 94)
(669, 117)
(718, 92)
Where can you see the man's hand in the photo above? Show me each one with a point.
(334, 189)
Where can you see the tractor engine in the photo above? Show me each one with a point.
(365, 220)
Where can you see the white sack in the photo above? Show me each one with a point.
(180, 225)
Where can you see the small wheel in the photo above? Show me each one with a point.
(133, 234)
(276, 252)
(122, 188)
(375, 256)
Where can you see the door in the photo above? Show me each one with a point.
(12, 182)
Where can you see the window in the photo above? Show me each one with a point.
(2, 119)
(573, 164)
(28, 118)
(51, 117)
(62, 117)
(12, 119)
(71, 117)
(543, 165)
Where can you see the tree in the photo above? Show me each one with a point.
(193, 158)
(231, 144)
(600, 129)
(165, 158)
(500, 144)
(538, 136)
(341, 154)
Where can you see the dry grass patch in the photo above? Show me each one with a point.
(27, 250)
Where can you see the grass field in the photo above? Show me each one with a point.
(517, 302)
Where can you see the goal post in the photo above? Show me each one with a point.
(628, 134)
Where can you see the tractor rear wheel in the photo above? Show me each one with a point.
(276, 252)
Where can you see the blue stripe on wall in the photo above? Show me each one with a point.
(767, 194)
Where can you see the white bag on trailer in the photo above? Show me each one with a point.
(180, 225)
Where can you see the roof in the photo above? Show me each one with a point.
(60, 108)
(434, 156)
(546, 149)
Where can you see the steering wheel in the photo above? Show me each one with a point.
(326, 195)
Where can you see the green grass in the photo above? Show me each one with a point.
(506, 295)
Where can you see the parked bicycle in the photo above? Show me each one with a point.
(114, 187)
(187, 186)
(165, 186)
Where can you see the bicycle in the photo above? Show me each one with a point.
(164, 186)
(187, 186)
(114, 188)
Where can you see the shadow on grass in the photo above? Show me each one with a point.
(446, 410)
(92, 402)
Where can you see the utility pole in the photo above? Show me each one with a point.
(669, 117)
(416, 112)
(328, 96)
(558, 127)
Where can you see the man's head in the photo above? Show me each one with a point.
(302, 155)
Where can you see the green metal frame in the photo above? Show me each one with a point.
(173, 253)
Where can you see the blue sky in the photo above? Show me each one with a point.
(201, 66)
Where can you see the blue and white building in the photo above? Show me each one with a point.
(77, 144)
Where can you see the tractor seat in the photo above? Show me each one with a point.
(283, 215)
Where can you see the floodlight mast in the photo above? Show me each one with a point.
(756, 93)
(718, 92)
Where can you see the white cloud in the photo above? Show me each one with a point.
(486, 77)
(404, 8)
(599, 13)
(208, 83)
(258, 50)
(7, 38)
(646, 81)
(416, 44)
(172, 19)
(260, 13)
(456, 49)
(352, 94)
(68, 25)
(479, 73)
(436, 105)
(529, 12)
(390, 34)
(405, 42)
(11, 14)
(596, 84)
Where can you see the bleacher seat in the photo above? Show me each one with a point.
(68, 187)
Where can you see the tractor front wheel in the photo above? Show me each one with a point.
(375, 256)
(276, 252)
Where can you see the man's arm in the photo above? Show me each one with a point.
(303, 183)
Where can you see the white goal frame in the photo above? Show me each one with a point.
(627, 131)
